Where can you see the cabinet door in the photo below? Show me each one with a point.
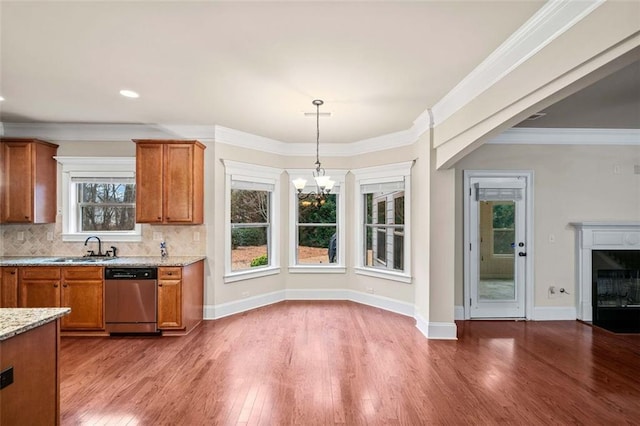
(18, 196)
(9, 288)
(178, 187)
(83, 292)
(39, 293)
(169, 304)
(149, 182)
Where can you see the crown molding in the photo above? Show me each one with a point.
(380, 143)
(542, 136)
(85, 131)
(551, 21)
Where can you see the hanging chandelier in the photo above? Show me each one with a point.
(324, 184)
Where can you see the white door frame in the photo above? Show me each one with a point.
(527, 175)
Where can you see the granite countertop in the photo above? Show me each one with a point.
(98, 261)
(14, 321)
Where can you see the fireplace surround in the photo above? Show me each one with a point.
(607, 274)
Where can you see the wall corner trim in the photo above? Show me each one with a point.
(436, 330)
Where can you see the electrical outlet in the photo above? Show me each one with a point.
(617, 169)
(157, 236)
(196, 236)
(49, 236)
(370, 290)
(245, 294)
(20, 236)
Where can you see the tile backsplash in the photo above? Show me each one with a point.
(35, 240)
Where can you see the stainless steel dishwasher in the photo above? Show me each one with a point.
(131, 300)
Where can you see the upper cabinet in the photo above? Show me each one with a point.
(169, 181)
(28, 181)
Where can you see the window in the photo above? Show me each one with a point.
(252, 213)
(383, 243)
(99, 198)
(503, 227)
(317, 243)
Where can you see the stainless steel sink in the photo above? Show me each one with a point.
(82, 259)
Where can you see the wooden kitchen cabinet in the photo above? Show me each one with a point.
(8, 287)
(169, 181)
(180, 298)
(80, 288)
(83, 292)
(39, 287)
(170, 298)
(29, 174)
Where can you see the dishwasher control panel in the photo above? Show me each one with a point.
(131, 273)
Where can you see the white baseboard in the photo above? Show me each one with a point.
(458, 313)
(237, 306)
(437, 330)
(243, 305)
(554, 313)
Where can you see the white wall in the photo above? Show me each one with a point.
(571, 184)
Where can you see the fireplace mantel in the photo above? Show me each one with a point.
(598, 236)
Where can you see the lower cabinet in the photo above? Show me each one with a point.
(8, 287)
(180, 297)
(83, 291)
(81, 288)
(169, 298)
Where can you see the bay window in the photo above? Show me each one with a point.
(251, 211)
(383, 245)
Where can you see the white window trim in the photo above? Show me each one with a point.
(235, 170)
(382, 174)
(90, 167)
(339, 176)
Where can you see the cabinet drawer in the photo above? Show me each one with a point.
(40, 273)
(83, 273)
(170, 273)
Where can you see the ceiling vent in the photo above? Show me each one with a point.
(536, 116)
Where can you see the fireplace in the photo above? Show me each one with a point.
(615, 276)
(608, 274)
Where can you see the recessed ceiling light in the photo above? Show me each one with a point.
(1, 99)
(129, 93)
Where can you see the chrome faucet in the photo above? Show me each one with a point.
(91, 253)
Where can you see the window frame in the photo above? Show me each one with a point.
(397, 172)
(339, 176)
(92, 167)
(253, 173)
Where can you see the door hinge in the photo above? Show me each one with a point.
(469, 246)
(470, 301)
(469, 192)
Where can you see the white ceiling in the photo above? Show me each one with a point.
(251, 66)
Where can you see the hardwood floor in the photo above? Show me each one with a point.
(343, 363)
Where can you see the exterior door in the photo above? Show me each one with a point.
(497, 247)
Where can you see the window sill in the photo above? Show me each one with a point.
(249, 274)
(115, 237)
(317, 269)
(387, 275)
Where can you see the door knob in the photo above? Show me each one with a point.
(522, 254)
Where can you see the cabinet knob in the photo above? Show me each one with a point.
(168, 218)
(159, 285)
(26, 217)
(64, 285)
(55, 286)
(159, 218)
(13, 272)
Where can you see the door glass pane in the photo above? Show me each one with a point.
(497, 249)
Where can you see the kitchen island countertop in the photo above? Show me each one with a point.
(14, 321)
